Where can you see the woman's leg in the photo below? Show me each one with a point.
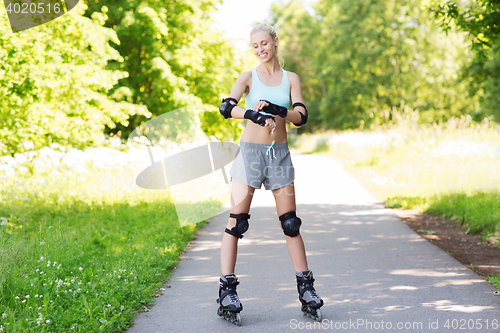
(285, 202)
(241, 198)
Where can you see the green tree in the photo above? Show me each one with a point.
(54, 85)
(369, 55)
(480, 19)
(173, 57)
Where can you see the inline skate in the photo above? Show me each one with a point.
(311, 302)
(229, 303)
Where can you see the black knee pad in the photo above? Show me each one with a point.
(241, 224)
(290, 223)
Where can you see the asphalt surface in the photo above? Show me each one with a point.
(374, 273)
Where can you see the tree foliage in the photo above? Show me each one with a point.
(173, 57)
(362, 57)
(54, 85)
(108, 68)
(480, 19)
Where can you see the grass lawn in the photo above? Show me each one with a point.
(82, 248)
(451, 170)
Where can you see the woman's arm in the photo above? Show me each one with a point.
(296, 115)
(238, 89)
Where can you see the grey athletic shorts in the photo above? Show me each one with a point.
(257, 163)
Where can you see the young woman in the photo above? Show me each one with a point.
(264, 158)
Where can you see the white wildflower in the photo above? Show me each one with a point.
(28, 145)
(3, 221)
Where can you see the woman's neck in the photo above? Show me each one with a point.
(269, 68)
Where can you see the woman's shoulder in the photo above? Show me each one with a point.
(244, 82)
(293, 78)
(246, 75)
(292, 75)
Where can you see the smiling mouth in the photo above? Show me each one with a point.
(263, 55)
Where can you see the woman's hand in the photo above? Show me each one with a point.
(260, 105)
(268, 107)
(260, 119)
(271, 123)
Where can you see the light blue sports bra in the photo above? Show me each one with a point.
(279, 95)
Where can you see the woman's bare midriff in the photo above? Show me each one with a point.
(262, 134)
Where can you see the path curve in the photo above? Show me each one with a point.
(371, 269)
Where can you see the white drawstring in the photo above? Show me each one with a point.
(269, 148)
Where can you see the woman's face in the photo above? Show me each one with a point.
(263, 46)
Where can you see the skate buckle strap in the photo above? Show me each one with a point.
(229, 292)
(229, 287)
(311, 289)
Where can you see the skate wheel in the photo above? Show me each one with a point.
(237, 319)
(312, 313)
(319, 315)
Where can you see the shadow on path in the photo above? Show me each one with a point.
(371, 269)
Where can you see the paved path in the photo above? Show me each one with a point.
(373, 272)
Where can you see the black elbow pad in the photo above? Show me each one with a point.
(226, 107)
(303, 119)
